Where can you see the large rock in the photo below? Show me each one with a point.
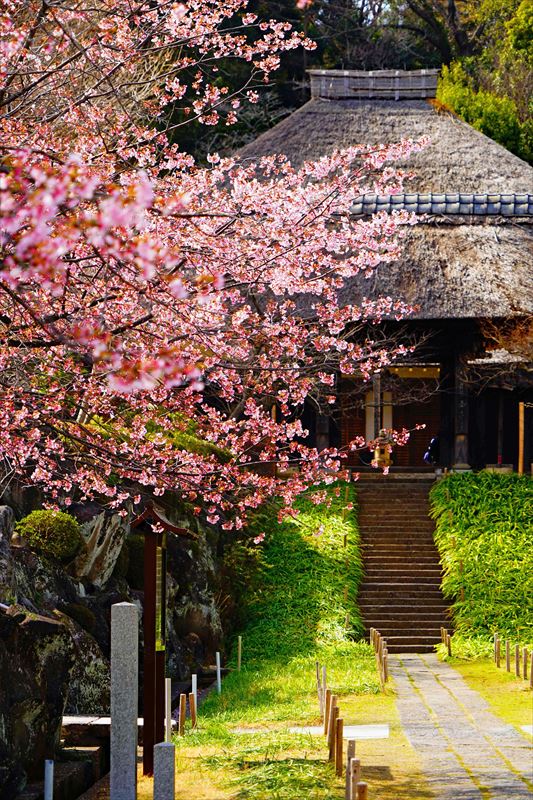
(36, 657)
(104, 534)
(194, 627)
(90, 677)
(7, 521)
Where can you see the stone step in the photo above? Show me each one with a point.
(411, 647)
(399, 561)
(408, 628)
(401, 572)
(406, 591)
(383, 613)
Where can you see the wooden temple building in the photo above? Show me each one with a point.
(467, 267)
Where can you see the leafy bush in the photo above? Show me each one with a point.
(52, 533)
(489, 113)
(485, 538)
(301, 602)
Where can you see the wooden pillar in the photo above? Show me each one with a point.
(149, 661)
(322, 431)
(521, 416)
(461, 413)
(446, 413)
(376, 385)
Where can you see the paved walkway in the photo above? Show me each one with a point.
(467, 753)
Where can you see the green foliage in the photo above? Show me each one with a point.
(52, 533)
(467, 648)
(494, 116)
(485, 538)
(301, 603)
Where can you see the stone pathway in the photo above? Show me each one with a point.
(467, 752)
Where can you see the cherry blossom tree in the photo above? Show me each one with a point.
(153, 312)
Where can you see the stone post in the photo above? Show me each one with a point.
(164, 771)
(124, 706)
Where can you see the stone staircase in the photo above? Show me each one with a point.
(400, 595)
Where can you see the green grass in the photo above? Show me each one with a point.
(509, 697)
(484, 533)
(295, 617)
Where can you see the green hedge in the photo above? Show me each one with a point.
(300, 603)
(496, 116)
(484, 535)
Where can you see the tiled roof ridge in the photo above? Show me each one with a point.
(511, 204)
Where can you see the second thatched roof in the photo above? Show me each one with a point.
(461, 267)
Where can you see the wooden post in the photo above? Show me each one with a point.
(239, 653)
(350, 753)
(521, 407)
(498, 654)
(531, 671)
(355, 777)
(362, 791)
(517, 660)
(345, 594)
(327, 708)
(449, 644)
(524, 663)
(339, 730)
(333, 734)
(507, 655)
(182, 713)
(324, 681)
(192, 709)
(385, 665)
(347, 621)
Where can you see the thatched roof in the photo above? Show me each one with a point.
(458, 271)
(479, 266)
(458, 159)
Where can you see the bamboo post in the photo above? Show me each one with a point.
(355, 777)
(524, 663)
(449, 644)
(517, 660)
(324, 680)
(327, 708)
(192, 709)
(168, 710)
(339, 730)
(350, 754)
(385, 664)
(507, 655)
(362, 791)
(521, 407)
(333, 735)
(347, 621)
(495, 645)
(239, 653)
(442, 635)
(219, 678)
(498, 652)
(48, 779)
(182, 713)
